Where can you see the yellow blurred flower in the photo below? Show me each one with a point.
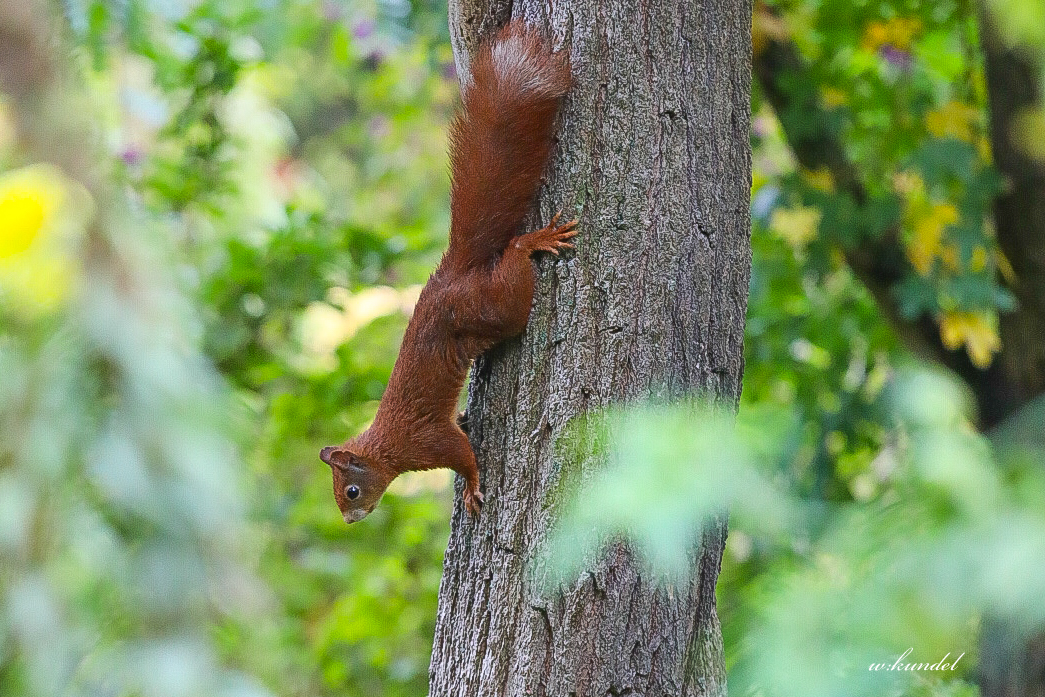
(953, 120)
(24, 206)
(927, 242)
(797, 226)
(875, 34)
(39, 208)
(898, 32)
(976, 330)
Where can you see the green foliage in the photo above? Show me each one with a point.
(815, 346)
(167, 529)
(296, 157)
(950, 535)
(121, 519)
(900, 87)
(362, 190)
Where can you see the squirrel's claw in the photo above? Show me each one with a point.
(551, 238)
(473, 501)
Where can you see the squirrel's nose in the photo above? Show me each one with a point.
(355, 516)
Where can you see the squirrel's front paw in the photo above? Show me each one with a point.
(551, 238)
(473, 500)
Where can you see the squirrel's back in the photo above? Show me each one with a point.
(500, 142)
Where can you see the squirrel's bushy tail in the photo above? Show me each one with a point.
(500, 141)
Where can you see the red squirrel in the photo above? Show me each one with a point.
(500, 141)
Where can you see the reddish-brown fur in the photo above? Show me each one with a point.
(481, 292)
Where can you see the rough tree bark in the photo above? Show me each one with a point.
(654, 158)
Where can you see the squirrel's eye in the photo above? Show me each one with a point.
(352, 492)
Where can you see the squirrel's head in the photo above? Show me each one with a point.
(358, 484)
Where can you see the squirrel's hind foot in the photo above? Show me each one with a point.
(473, 501)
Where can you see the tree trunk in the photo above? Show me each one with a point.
(1013, 87)
(654, 159)
(1013, 664)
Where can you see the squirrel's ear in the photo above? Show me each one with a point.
(334, 456)
(339, 457)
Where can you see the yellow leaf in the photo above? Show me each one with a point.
(983, 147)
(898, 32)
(978, 262)
(1005, 267)
(927, 242)
(953, 120)
(903, 30)
(976, 330)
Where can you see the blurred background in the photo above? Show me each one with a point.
(215, 217)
